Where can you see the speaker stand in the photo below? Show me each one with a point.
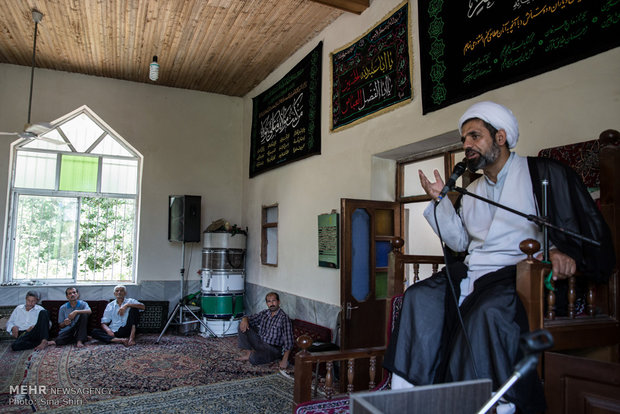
(182, 305)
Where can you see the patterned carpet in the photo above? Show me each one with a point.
(74, 377)
(272, 394)
(12, 371)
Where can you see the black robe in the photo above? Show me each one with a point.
(428, 345)
(572, 208)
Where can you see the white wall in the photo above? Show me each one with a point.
(191, 143)
(567, 105)
(198, 143)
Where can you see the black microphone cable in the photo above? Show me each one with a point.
(456, 300)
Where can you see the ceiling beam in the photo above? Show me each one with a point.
(352, 6)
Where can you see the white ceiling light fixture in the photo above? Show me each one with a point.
(33, 131)
(154, 69)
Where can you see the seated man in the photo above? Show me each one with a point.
(72, 320)
(120, 319)
(430, 344)
(29, 324)
(266, 336)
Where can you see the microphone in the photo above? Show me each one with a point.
(459, 169)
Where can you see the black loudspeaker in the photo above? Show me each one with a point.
(184, 218)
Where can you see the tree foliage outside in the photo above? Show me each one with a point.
(45, 238)
(105, 248)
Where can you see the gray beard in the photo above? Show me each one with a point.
(484, 159)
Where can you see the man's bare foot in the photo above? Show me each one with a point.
(244, 355)
(120, 341)
(41, 346)
(79, 344)
(131, 342)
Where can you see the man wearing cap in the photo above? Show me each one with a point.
(428, 345)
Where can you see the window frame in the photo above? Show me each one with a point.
(449, 161)
(265, 227)
(16, 192)
(448, 153)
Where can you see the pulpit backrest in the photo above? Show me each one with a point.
(597, 325)
(583, 157)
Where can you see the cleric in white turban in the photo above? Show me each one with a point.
(497, 115)
(432, 343)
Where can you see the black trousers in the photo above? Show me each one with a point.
(41, 331)
(264, 353)
(428, 345)
(73, 333)
(123, 332)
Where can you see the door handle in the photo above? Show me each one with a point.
(348, 310)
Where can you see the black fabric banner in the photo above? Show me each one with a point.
(471, 47)
(286, 118)
(373, 74)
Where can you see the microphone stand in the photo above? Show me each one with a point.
(531, 217)
(532, 344)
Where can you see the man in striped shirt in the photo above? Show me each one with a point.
(266, 336)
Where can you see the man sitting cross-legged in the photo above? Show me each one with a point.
(266, 336)
(72, 320)
(120, 319)
(29, 324)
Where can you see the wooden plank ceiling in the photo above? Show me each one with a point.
(220, 46)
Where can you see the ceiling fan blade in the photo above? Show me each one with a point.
(27, 135)
(38, 128)
(30, 135)
(35, 131)
(51, 140)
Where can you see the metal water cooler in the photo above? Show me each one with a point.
(223, 282)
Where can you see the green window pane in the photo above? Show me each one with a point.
(381, 285)
(78, 173)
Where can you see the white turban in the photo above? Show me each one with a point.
(497, 115)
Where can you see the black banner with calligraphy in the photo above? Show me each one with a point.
(373, 74)
(286, 118)
(479, 45)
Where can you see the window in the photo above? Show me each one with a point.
(73, 204)
(269, 236)
(419, 237)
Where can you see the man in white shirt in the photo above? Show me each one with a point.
(29, 324)
(120, 319)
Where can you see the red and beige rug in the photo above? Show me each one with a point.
(67, 376)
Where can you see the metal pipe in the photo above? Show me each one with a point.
(545, 213)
